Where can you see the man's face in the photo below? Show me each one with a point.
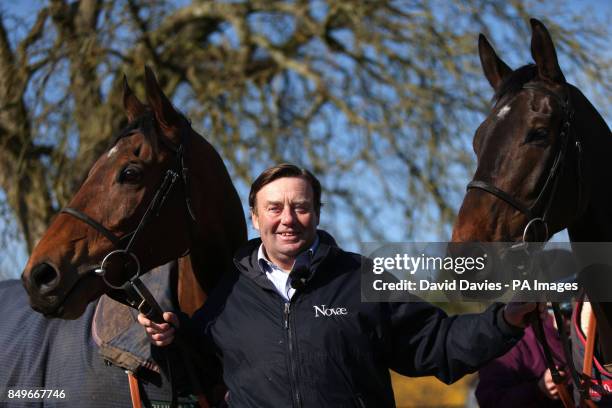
(285, 217)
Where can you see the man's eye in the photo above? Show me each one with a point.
(274, 209)
(130, 175)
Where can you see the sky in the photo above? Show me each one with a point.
(14, 256)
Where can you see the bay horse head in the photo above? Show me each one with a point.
(157, 193)
(541, 152)
(543, 162)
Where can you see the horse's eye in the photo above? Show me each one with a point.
(131, 175)
(536, 135)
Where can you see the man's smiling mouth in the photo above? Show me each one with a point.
(288, 234)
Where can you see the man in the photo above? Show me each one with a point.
(291, 327)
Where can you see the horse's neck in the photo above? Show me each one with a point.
(190, 294)
(595, 224)
(221, 221)
(199, 272)
(220, 229)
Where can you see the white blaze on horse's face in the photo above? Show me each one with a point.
(112, 151)
(503, 111)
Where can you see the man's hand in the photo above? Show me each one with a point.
(516, 313)
(160, 334)
(548, 386)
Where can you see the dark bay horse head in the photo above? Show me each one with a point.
(160, 189)
(543, 154)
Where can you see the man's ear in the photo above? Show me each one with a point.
(254, 219)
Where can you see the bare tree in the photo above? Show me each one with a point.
(379, 98)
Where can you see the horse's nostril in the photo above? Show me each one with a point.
(44, 276)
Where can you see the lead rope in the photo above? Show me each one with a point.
(150, 308)
(558, 379)
(135, 389)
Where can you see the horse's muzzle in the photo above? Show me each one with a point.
(44, 278)
(41, 283)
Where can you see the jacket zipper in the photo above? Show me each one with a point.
(292, 366)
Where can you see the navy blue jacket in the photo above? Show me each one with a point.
(326, 348)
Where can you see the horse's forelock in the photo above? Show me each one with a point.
(515, 81)
(144, 124)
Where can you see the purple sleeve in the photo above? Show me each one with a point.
(511, 380)
(495, 390)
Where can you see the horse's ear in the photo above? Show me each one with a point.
(544, 54)
(166, 116)
(494, 68)
(132, 105)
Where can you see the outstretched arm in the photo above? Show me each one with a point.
(428, 342)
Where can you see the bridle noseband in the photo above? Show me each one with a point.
(552, 181)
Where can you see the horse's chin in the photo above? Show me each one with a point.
(86, 290)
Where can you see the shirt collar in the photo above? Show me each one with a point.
(266, 265)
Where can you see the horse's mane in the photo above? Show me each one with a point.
(515, 81)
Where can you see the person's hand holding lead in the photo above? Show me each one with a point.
(160, 334)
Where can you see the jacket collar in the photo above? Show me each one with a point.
(246, 260)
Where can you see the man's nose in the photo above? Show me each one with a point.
(287, 216)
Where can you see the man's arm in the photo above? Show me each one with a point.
(428, 342)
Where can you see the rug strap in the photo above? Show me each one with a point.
(134, 390)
